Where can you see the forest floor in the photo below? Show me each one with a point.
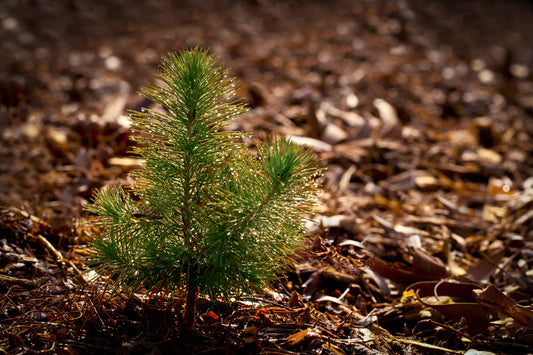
(422, 113)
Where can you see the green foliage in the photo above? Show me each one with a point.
(209, 215)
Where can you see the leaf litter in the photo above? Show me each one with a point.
(424, 240)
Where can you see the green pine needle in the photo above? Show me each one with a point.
(210, 216)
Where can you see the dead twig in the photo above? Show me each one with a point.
(60, 260)
(17, 281)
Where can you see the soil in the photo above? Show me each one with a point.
(421, 112)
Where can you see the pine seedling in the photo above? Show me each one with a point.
(204, 216)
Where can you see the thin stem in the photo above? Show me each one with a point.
(185, 212)
(190, 305)
(192, 290)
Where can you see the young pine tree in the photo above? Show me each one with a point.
(210, 218)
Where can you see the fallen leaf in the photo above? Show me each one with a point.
(494, 299)
(486, 266)
(431, 267)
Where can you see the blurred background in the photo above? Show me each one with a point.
(70, 70)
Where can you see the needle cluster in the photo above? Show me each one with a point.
(204, 216)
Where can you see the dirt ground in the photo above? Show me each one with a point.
(422, 113)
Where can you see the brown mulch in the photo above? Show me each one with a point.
(421, 112)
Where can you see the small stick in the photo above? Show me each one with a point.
(57, 254)
(15, 280)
